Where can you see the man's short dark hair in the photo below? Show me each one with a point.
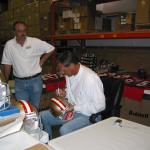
(67, 58)
(18, 22)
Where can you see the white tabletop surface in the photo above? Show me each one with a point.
(106, 135)
(17, 141)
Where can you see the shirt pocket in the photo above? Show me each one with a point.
(29, 52)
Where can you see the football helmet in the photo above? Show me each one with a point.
(59, 108)
(31, 121)
(4, 94)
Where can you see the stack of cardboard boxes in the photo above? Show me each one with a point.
(123, 22)
(143, 15)
(35, 13)
(71, 17)
(143, 12)
(6, 21)
(76, 18)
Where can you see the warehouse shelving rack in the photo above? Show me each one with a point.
(101, 35)
(90, 36)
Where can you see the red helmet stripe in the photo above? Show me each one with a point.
(60, 101)
(56, 104)
(59, 104)
(24, 107)
(27, 107)
(31, 109)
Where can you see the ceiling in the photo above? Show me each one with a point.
(3, 1)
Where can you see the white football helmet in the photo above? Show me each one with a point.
(4, 94)
(31, 121)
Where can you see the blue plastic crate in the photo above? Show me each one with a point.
(10, 111)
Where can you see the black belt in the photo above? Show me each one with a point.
(30, 77)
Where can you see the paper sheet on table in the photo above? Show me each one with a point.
(12, 127)
(17, 141)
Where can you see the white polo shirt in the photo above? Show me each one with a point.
(85, 91)
(25, 59)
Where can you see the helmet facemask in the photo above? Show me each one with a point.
(4, 96)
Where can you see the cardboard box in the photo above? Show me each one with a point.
(67, 13)
(6, 15)
(10, 4)
(45, 19)
(18, 3)
(20, 18)
(10, 25)
(31, 8)
(38, 147)
(30, 1)
(33, 19)
(34, 30)
(84, 11)
(116, 25)
(17, 13)
(130, 18)
(45, 31)
(44, 6)
(136, 111)
(143, 11)
(87, 24)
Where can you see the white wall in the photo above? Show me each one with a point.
(118, 6)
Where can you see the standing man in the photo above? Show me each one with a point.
(84, 91)
(26, 55)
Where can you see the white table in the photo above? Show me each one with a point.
(106, 135)
(17, 141)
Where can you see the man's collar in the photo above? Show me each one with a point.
(24, 41)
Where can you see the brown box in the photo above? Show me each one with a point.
(20, 18)
(17, 13)
(45, 19)
(6, 15)
(68, 25)
(45, 31)
(10, 25)
(118, 27)
(84, 11)
(143, 11)
(130, 18)
(10, 4)
(30, 1)
(33, 19)
(136, 111)
(34, 30)
(38, 147)
(87, 24)
(31, 8)
(18, 3)
(44, 6)
(2, 34)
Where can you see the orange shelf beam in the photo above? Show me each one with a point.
(102, 35)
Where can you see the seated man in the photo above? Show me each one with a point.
(84, 91)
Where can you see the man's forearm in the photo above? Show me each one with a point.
(44, 58)
(7, 69)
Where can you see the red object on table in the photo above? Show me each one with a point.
(133, 92)
(53, 84)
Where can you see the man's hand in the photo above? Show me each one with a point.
(7, 69)
(45, 57)
(70, 108)
(61, 92)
